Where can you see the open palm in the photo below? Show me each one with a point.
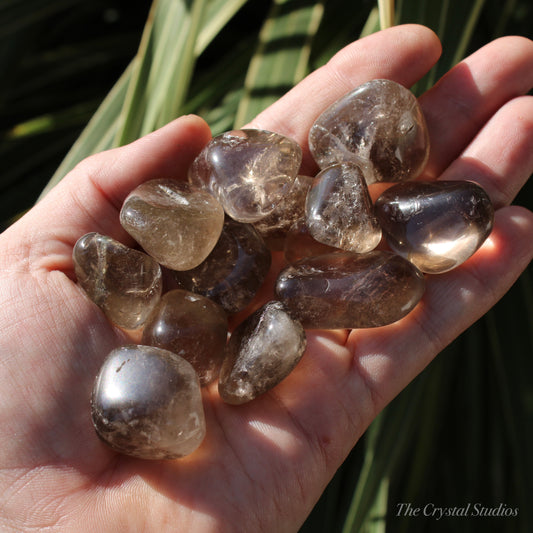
(262, 465)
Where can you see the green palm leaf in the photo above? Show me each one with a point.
(282, 56)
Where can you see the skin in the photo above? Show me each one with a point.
(262, 465)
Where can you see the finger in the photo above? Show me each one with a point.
(90, 197)
(465, 98)
(403, 54)
(389, 358)
(500, 158)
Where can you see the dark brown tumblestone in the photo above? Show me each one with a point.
(192, 327)
(147, 403)
(378, 126)
(248, 171)
(262, 351)
(347, 290)
(339, 210)
(435, 225)
(233, 272)
(126, 284)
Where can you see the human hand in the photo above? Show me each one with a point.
(262, 465)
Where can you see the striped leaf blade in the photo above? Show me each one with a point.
(282, 56)
(131, 107)
(100, 132)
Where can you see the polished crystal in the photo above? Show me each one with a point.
(291, 209)
(176, 223)
(379, 126)
(233, 272)
(147, 403)
(249, 171)
(126, 284)
(347, 290)
(192, 327)
(262, 351)
(436, 225)
(339, 211)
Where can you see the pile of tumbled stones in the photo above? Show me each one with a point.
(215, 235)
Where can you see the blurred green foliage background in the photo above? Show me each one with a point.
(91, 75)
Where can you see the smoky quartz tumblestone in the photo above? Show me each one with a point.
(126, 284)
(378, 126)
(290, 210)
(249, 171)
(146, 402)
(339, 210)
(300, 244)
(192, 327)
(347, 290)
(175, 223)
(262, 351)
(235, 269)
(436, 225)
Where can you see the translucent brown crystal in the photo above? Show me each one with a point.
(124, 283)
(147, 403)
(176, 223)
(262, 351)
(300, 244)
(233, 272)
(291, 209)
(339, 210)
(192, 327)
(379, 126)
(248, 171)
(436, 225)
(347, 290)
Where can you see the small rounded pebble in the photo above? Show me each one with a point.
(290, 210)
(339, 210)
(378, 126)
(175, 223)
(126, 284)
(262, 351)
(248, 171)
(147, 403)
(436, 225)
(233, 272)
(192, 327)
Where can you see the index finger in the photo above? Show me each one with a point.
(402, 54)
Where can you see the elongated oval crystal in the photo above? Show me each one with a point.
(126, 284)
(175, 223)
(378, 126)
(248, 171)
(233, 272)
(436, 225)
(146, 402)
(347, 290)
(192, 327)
(339, 211)
(262, 351)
